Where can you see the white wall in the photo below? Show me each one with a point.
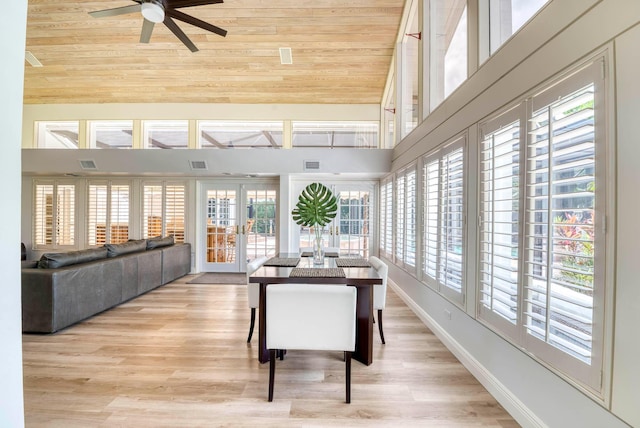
(564, 33)
(12, 36)
(626, 375)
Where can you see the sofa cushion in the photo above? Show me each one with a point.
(28, 264)
(159, 241)
(132, 246)
(56, 260)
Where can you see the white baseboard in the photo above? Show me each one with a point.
(516, 408)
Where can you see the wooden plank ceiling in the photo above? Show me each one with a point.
(341, 52)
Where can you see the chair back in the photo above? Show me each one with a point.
(311, 316)
(253, 290)
(380, 291)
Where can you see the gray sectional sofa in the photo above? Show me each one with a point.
(63, 288)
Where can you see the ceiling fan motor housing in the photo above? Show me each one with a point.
(153, 11)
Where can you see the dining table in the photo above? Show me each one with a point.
(287, 268)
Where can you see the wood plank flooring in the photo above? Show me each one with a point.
(178, 357)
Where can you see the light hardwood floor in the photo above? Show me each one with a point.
(177, 356)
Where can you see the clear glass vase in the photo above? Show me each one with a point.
(318, 249)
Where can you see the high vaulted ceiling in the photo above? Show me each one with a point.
(341, 51)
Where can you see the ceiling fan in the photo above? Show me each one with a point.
(156, 11)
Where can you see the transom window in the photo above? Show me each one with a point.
(234, 135)
(57, 135)
(166, 134)
(111, 134)
(336, 134)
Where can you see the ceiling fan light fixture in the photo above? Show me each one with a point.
(153, 12)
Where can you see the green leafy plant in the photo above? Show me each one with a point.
(316, 206)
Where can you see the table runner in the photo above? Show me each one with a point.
(317, 273)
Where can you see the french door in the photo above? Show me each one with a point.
(238, 224)
(350, 232)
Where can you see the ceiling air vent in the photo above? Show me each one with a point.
(198, 165)
(31, 59)
(285, 56)
(311, 165)
(88, 164)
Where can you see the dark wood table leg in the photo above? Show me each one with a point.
(364, 325)
(263, 352)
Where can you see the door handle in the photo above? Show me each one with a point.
(237, 229)
(243, 229)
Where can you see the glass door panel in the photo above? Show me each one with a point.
(260, 224)
(221, 229)
(351, 231)
(349, 234)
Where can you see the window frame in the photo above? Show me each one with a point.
(386, 245)
(406, 217)
(322, 127)
(55, 245)
(95, 125)
(439, 155)
(109, 184)
(177, 124)
(267, 127)
(41, 132)
(163, 206)
(588, 377)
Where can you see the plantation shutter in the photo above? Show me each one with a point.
(54, 214)
(444, 219)
(387, 217)
(562, 191)
(152, 211)
(400, 217)
(175, 212)
(431, 188)
(97, 215)
(451, 228)
(499, 229)
(119, 218)
(65, 214)
(411, 215)
(43, 215)
(108, 213)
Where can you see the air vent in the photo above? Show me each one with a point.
(311, 165)
(31, 59)
(198, 165)
(88, 164)
(285, 56)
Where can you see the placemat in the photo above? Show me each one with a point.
(317, 273)
(352, 262)
(282, 261)
(328, 254)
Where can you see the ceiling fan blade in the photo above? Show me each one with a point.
(195, 21)
(171, 25)
(116, 11)
(147, 29)
(174, 4)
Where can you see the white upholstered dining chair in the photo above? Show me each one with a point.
(253, 291)
(311, 317)
(380, 290)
